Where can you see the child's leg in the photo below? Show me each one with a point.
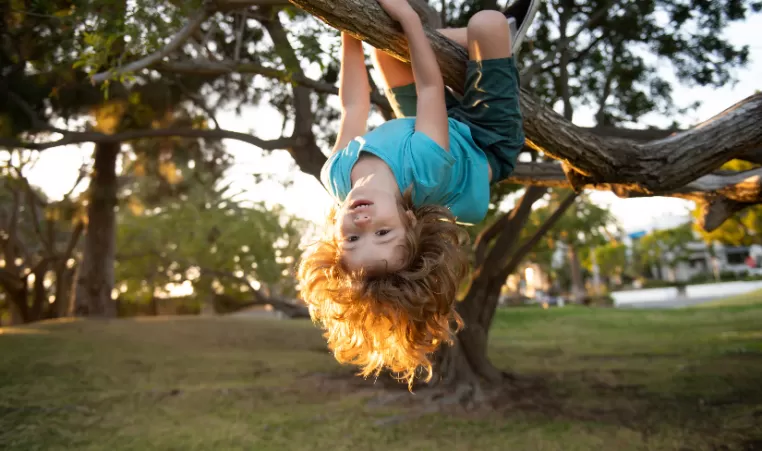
(489, 36)
(458, 35)
(394, 72)
(399, 82)
(397, 73)
(490, 103)
(398, 78)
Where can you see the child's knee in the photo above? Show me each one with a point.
(486, 24)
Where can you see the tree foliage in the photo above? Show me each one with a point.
(668, 246)
(211, 240)
(584, 226)
(38, 239)
(611, 259)
(615, 56)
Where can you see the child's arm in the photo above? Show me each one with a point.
(431, 118)
(354, 92)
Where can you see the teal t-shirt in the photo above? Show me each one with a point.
(458, 179)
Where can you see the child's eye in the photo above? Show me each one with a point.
(382, 232)
(351, 238)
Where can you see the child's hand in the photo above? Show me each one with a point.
(398, 10)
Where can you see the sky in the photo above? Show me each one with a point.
(57, 168)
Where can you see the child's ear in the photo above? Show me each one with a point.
(411, 216)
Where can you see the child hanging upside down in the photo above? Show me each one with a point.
(383, 282)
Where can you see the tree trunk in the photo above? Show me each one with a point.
(207, 305)
(67, 310)
(39, 292)
(464, 367)
(65, 276)
(18, 300)
(577, 288)
(96, 275)
(65, 283)
(19, 307)
(16, 316)
(208, 299)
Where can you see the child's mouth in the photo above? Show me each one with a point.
(360, 204)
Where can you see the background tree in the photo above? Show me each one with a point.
(583, 227)
(666, 247)
(47, 83)
(611, 260)
(38, 242)
(591, 54)
(213, 241)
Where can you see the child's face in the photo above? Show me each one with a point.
(370, 231)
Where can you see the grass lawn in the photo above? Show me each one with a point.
(753, 298)
(587, 379)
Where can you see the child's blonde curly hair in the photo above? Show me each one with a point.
(392, 320)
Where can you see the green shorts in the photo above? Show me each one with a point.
(489, 107)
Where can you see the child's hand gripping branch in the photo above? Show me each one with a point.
(383, 281)
(431, 117)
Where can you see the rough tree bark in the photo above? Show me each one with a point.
(96, 275)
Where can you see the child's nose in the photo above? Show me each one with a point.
(362, 220)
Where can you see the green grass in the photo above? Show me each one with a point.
(587, 379)
(753, 298)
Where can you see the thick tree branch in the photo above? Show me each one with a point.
(97, 137)
(177, 40)
(720, 195)
(743, 186)
(660, 165)
(653, 134)
(366, 20)
(641, 135)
